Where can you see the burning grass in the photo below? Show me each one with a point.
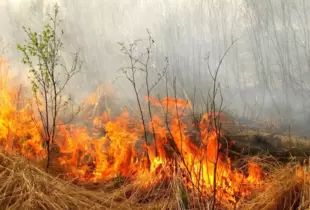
(26, 186)
(187, 168)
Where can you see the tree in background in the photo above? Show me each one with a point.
(48, 76)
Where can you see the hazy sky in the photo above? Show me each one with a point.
(266, 69)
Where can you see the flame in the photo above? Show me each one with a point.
(175, 146)
(19, 132)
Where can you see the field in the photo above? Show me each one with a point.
(107, 163)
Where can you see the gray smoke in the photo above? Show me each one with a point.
(265, 75)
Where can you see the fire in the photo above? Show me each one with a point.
(192, 150)
(19, 133)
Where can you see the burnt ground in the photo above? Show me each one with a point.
(250, 138)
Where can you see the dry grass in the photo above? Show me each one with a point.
(26, 186)
(286, 189)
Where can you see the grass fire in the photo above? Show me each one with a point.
(167, 153)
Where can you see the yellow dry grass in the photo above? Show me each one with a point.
(25, 186)
(287, 188)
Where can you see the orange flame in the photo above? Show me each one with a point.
(19, 133)
(194, 151)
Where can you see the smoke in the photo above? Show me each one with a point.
(264, 75)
